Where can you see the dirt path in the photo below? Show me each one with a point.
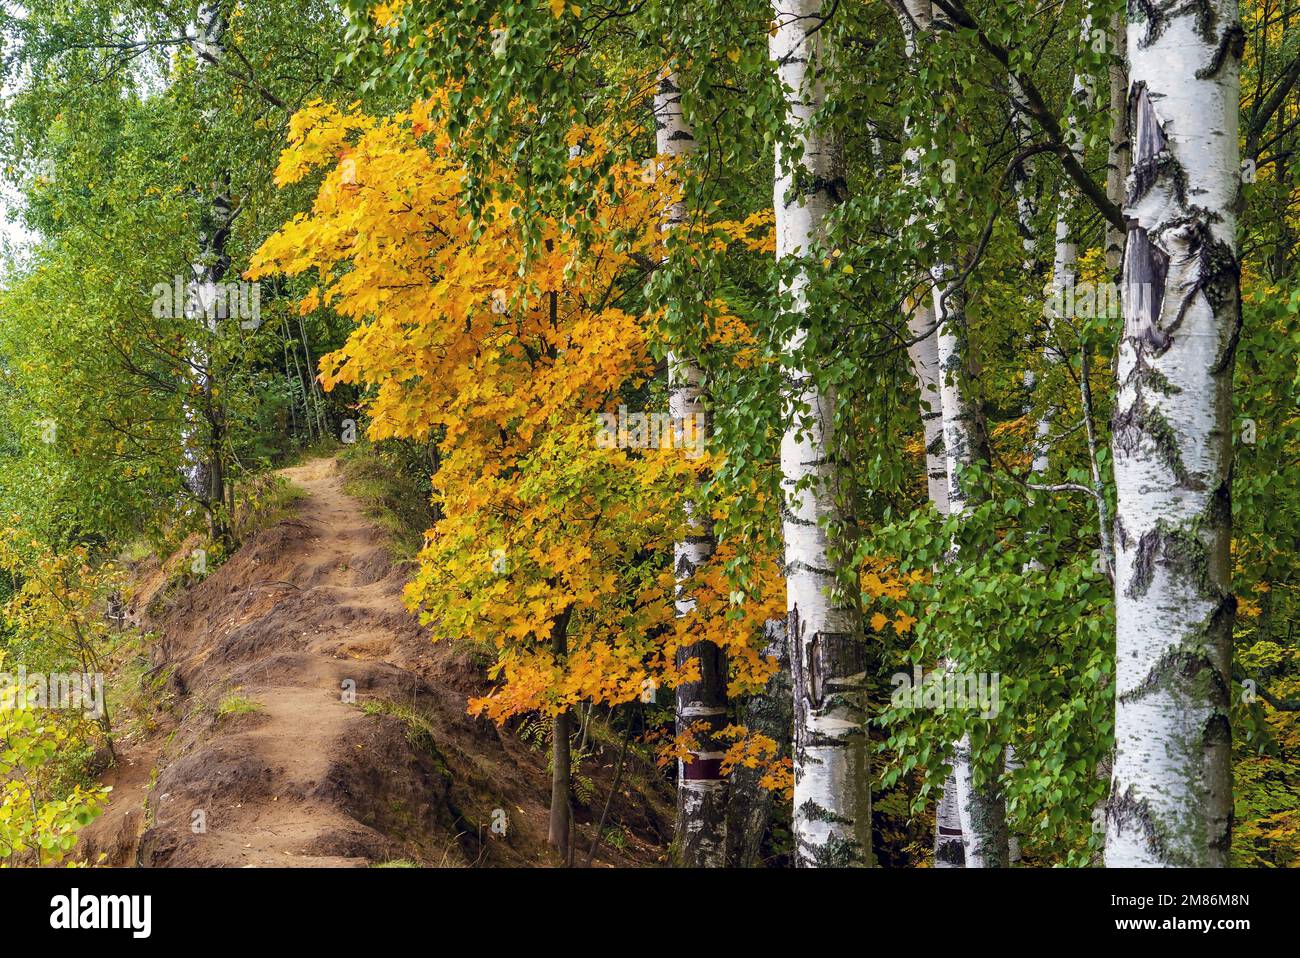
(320, 726)
(271, 803)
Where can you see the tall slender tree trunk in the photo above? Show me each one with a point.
(980, 805)
(749, 805)
(1027, 221)
(1117, 159)
(557, 832)
(700, 839)
(1117, 170)
(832, 791)
(1171, 788)
(924, 355)
(1065, 275)
(965, 813)
(916, 18)
(205, 472)
(1065, 260)
(949, 848)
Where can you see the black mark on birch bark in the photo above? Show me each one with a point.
(1126, 811)
(1232, 43)
(1158, 13)
(1187, 672)
(1178, 548)
(1143, 420)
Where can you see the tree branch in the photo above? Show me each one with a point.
(1037, 109)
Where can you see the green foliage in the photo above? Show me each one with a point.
(393, 479)
(38, 824)
(1008, 599)
(114, 152)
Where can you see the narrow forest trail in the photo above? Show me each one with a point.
(327, 630)
(273, 759)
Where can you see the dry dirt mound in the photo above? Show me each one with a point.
(318, 725)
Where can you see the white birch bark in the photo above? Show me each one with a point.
(203, 469)
(1117, 170)
(1022, 175)
(1171, 794)
(981, 813)
(1065, 256)
(832, 796)
(1065, 259)
(1064, 274)
(1026, 217)
(981, 809)
(701, 706)
(949, 849)
(924, 356)
(915, 18)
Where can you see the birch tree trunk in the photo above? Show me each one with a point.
(916, 18)
(939, 364)
(986, 842)
(832, 793)
(700, 839)
(949, 849)
(1022, 176)
(1171, 787)
(205, 425)
(1026, 218)
(981, 808)
(1065, 259)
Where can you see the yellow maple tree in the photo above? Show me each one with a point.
(505, 352)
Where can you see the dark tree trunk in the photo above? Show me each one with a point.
(558, 832)
(771, 712)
